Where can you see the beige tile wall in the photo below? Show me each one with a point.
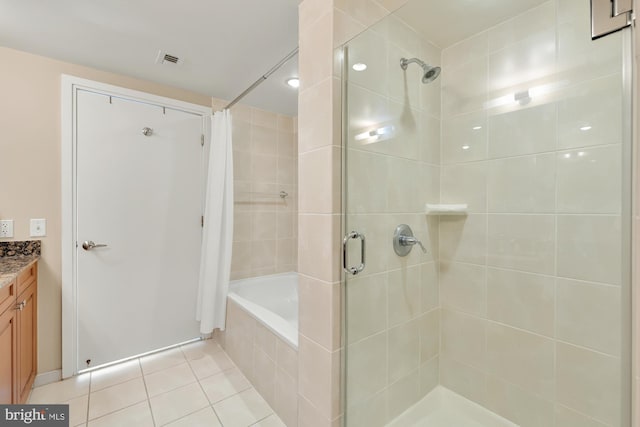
(392, 320)
(265, 162)
(324, 25)
(270, 363)
(530, 279)
(516, 273)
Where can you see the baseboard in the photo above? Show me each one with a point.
(47, 378)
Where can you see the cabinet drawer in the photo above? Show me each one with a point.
(27, 277)
(7, 296)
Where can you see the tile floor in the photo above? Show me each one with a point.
(193, 385)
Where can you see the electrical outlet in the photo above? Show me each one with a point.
(38, 227)
(6, 228)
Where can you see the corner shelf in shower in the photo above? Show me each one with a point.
(446, 209)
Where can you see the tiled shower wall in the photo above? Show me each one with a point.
(265, 162)
(393, 316)
(324, 26)
(530, 279)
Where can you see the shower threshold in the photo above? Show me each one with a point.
(444, 408)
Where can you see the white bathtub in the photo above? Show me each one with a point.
(272, 300)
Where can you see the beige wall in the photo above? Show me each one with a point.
(30, 167)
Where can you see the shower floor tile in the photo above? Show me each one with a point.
(185, 386)
(444, 408)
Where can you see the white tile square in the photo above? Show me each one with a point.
(403, 348)
(116, 397)
(464, 238)
(177, 403)
(589, 248)
(224, 384)
(168, 379)
(162, 360)
(589, 383)
(211, 364)
(596, 104)
(465, 183)
(522, 131)
(522, 300)
(78, 408)
(366, 368)
(463, 287)
(464, 138)
(590, 180)
(521, 358)
(522, 185)
(61, 391)
(138, 415)
(463, 338)
(588, 315)
(242, 409)
(522, 242)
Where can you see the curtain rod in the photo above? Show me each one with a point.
(293, 53)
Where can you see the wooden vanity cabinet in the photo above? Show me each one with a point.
(27, 315)
(18, 336)
(8, 344)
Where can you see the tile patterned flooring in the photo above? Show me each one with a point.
(192, 385)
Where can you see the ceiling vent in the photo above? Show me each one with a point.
(166, 58)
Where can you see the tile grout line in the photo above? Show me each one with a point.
(146, 390)
(201, 388)
(88, 399)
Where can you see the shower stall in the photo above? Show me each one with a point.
(487, 163)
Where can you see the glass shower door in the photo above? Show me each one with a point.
(494, 204)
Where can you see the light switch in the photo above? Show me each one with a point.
(6, 228)
(38, 227)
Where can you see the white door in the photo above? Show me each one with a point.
(140, 196)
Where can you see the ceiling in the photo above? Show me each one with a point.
(225, 45)
(450, 21)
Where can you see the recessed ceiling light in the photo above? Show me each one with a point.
(294, 82)
(359, 66)
(477, 127)
(585, 128)
(465, 147)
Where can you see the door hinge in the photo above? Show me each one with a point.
(202, 140)
(202, 221)
(609, 16)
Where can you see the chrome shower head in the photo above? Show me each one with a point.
(430, 72)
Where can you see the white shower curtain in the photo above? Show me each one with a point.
(217, 235)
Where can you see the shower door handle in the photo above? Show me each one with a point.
(353, 270)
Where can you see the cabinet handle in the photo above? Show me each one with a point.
(21, 305)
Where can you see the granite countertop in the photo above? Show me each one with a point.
(15, 257)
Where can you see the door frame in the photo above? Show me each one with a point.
(69, 88)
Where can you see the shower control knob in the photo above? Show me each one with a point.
(403, 241)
